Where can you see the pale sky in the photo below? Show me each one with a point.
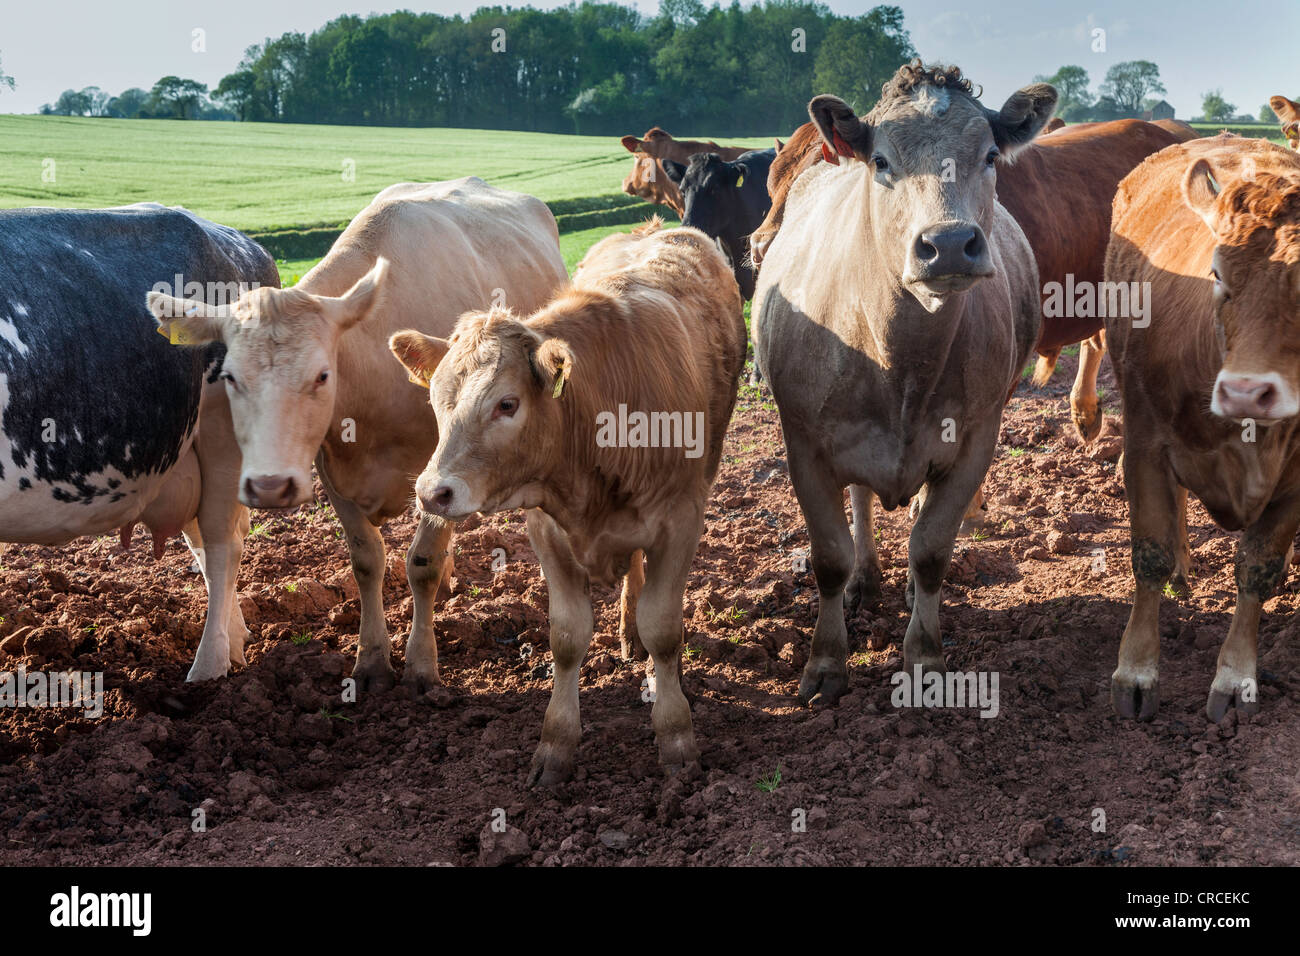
(1246, 47)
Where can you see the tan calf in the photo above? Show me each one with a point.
(528, 414)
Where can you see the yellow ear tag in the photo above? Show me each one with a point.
(740, 180)
(174, 334)
(560, 379)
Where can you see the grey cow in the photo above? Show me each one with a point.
(894, 313)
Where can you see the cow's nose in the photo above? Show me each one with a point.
(270, 491)
(951, 249)
(1246, 397)
(439, 502)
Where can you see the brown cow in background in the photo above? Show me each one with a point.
(1288, 113)
(1059, 190)
(647, 178)
(1210, 382)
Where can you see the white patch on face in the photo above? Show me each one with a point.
(932, 101)
(9, 332)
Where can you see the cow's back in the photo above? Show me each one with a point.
(1059, 189)
(95, 406)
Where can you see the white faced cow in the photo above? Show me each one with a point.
(894, 311)
(309, 375)
(103, 423)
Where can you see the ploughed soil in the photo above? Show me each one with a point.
(285, 772)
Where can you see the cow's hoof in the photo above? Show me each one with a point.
(1227, 694)
(237, 651)
(929, 662)
(863, 589)
(1087, 422)
(420, 679)
(632, 650)
(824, 682)
(374, 675)
(550, 767)
(206, 671)
(678, 752)
(1135, 698)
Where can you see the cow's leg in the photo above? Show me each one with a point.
(863, 588)
(1263, 556)
(628, 639)
(1153, 521)
(826, 675)
(1083, 395)
(929, 550)
(571, 628)
(426, 562)
(659, 622)
(236, 628)
(221, 523)
(373, 670)
(1183, 552)
(1044, 367)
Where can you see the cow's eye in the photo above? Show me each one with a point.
(228, 378)
(1218, 284)
(506, 408)
(992, 157)
(323, 377)
(882, 166)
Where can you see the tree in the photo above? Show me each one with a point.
(5, 79)
(1073, 99)
(129, 104)
(1129, 84)
(1266, 114)
(179, 97)
(860, 54)
(1215, 108)
(73, 103)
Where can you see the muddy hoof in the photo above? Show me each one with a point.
(421, 680)
(929, 663)
(863, 590)
(1216, 708)
(823, 685)
(549, 768)
(1087, 425)
(375, 676)
(1134, 700)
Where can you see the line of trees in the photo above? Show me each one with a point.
(1127, 91)
(172, 97)
(589, 68)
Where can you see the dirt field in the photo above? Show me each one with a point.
(285, 773)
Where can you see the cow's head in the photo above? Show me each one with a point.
(927, 153)
(710, 188)
(281, 352)
(496, 386)
(1256, 270)
(647, 179)
(1288, 114)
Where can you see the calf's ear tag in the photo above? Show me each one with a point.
(174, 334)
(740, 180)
(829, 156)
(561, 377)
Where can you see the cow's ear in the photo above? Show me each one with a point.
(1022, 116)
(1285, 110)
(630, 143)
(741, 172)
(673, 170)
(779, 145)
(187, 321)
(1201, 189)
(355, 304)
(842, 132)
(552, 361)
(419, 353)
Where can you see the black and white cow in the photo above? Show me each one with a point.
(726, 201)
(103, 422)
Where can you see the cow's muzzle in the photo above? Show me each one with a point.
(274, 491)
(948, 257)
(1263, 397)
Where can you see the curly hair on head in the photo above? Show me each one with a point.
(909, 76)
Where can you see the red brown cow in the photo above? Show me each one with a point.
(1288, 113)
(1078, 167)
(1210, 383)
(647, 178)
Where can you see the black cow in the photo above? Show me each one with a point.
(728, 201)
(103, 422)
